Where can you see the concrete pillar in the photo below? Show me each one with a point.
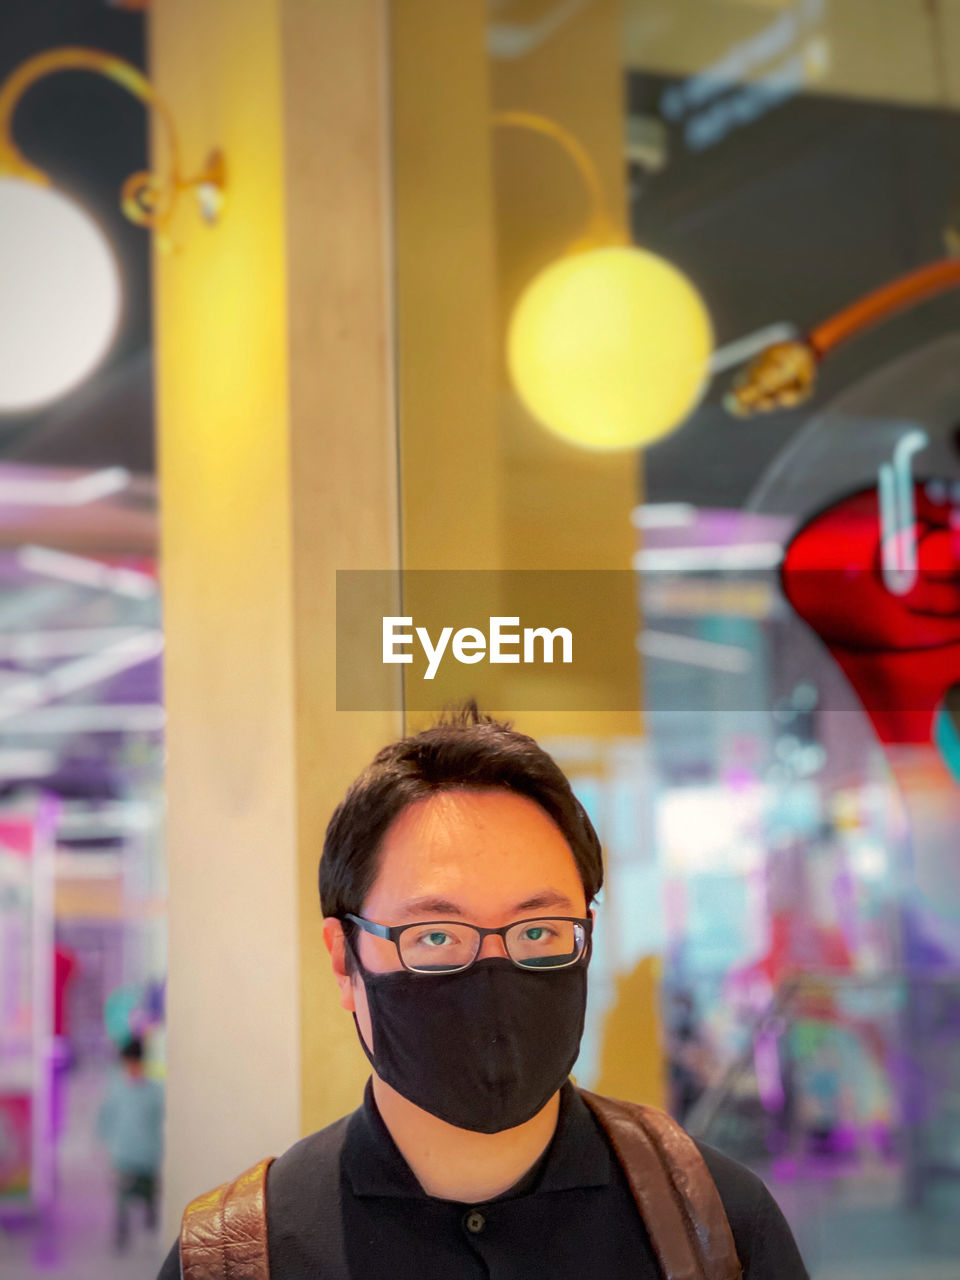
(277, 450)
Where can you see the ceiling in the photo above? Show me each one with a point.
(903, 51)
(80, 673)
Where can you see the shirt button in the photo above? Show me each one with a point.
(475, 1221)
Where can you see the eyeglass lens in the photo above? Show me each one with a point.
(440, 947)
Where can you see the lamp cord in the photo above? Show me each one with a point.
(146, 199)
(600, 227)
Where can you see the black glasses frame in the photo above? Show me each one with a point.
(393, 932)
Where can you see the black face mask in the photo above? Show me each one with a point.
(484, 1049)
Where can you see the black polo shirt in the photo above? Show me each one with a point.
(571, 1217)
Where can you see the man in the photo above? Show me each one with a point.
(456, 883)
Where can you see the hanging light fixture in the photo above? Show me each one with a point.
(784, 374)
(609, 346)
(60, 290)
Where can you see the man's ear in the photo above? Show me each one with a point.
(335, 942)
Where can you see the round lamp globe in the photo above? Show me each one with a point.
(610, 348)
(59, 295)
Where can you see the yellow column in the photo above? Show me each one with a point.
(277, 467)
(478, 212)
(446, 287)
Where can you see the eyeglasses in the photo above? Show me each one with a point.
(447, 946)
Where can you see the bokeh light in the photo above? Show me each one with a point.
(609, 348)
(60, 291)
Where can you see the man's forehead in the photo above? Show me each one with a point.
(449, 833)
(489, 813)
(466, 854)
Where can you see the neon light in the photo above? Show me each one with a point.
(898, 515)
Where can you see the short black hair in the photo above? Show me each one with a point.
(132, 1050)
(464, 751)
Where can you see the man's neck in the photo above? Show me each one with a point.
(457, 1164)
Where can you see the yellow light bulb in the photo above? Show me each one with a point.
(609, 348)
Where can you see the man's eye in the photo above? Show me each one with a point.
(435, 939)
(536, 933)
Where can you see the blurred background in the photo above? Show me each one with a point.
(662, 288)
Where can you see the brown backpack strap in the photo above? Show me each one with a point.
(677, 1198)
(223, 1235)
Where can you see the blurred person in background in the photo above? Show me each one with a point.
(131, 1125)
(689, 1056)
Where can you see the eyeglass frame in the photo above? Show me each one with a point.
(392, 934)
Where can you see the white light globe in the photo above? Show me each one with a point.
(59, 295)
(610, 348)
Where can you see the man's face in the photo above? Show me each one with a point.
(484, 857)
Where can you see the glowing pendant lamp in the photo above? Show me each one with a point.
(609, 347)
(60, 292)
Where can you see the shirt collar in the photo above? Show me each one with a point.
(577, 1156)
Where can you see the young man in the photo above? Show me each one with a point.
(456, 883)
